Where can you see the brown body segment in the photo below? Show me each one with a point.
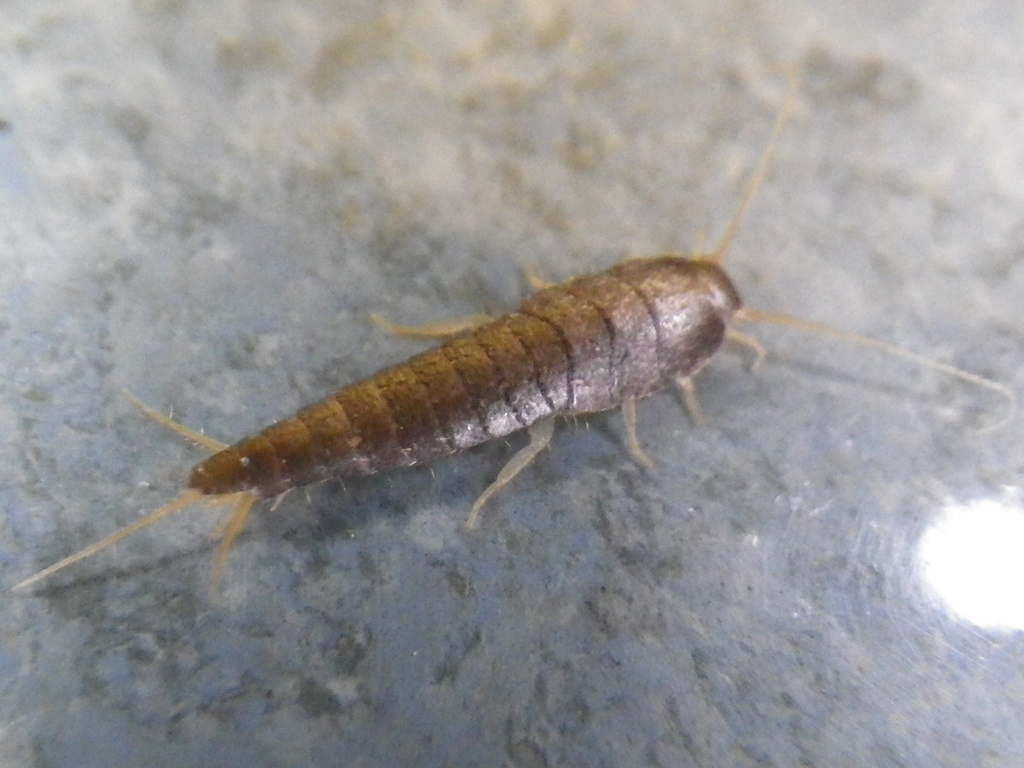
(583, 346)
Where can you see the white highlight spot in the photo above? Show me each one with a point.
(972, 558)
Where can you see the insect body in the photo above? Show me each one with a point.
(582, 346)
(590, 344)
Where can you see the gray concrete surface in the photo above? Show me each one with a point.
(202, 202)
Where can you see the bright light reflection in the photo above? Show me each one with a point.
(972, 558)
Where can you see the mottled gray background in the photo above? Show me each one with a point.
(201, 202)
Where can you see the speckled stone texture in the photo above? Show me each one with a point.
(202, 202)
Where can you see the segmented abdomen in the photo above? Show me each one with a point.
(581, 346)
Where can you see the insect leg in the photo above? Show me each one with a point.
(689, 393)
(443, 329)
(279, 499)
(629, 415)
(540, 436)
(748, 341)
